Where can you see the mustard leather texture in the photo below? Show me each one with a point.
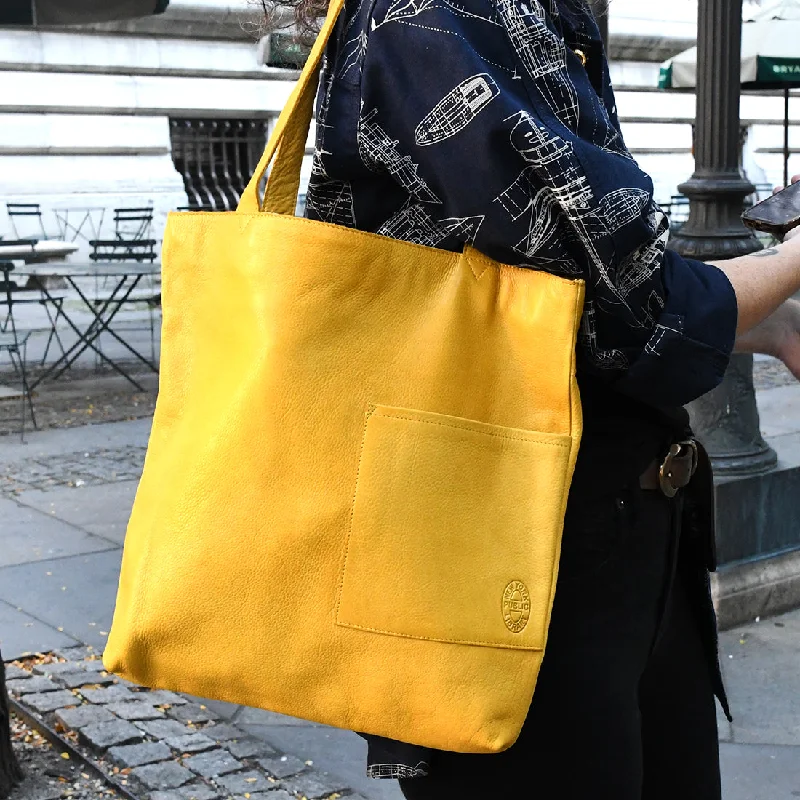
(353, 497)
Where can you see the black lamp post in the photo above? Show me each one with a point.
(726, 420)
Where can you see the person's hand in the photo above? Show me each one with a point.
(778, 335)
(795, 179)
(794, 232)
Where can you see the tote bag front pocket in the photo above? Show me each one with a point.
(449, 538)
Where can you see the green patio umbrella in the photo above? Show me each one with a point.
(75, 12)
(770, 59)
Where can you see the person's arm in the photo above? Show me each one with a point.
(766, 324)
(763, 281)
(778, 335)
(769, 329)
(511, 148)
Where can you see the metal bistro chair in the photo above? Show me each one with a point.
(131, 243)
(20, 296)
(131, 229)
(15, 343)
(26, 212)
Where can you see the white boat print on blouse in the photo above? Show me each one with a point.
(379, 152)
(456, 110)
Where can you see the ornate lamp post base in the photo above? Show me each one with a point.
(726, 420)
(714, 230)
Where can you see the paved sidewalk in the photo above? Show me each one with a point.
(761, 749)
(65, 497)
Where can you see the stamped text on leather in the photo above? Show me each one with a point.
(516, 606)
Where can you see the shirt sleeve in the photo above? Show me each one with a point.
(493, 134)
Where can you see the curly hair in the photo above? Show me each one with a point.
(305, 13)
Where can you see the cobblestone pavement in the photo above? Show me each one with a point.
(158, 744)
(82, 468)
(50, 774)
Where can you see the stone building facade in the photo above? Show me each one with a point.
(169, 110)
(173, 109)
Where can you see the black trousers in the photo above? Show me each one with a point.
(624, 708)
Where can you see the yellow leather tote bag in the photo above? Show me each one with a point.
(354, 491)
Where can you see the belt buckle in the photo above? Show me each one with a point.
(665, 474)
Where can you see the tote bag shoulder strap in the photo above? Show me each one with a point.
(287, 144)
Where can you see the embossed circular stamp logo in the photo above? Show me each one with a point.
(516, 606)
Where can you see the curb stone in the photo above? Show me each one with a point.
(74, 718)
(191, 743)
(164, 775)
(65, 668)
(110, 694)
(282, 766)
(191, 713)
(32, 685)
(189, 792)
(280, 794)
(103, 735)
(246, 782)
(76, 680)
(75, 653)
(163, 728)
(184, 753)
(16, 673)
(224, 732)
(135, 710)
(249, 748)
(213, 763)
(137, 755)
(312, 787)
(50, 701)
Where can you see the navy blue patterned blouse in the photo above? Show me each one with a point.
(450, 121)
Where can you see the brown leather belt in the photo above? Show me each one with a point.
(674, 472)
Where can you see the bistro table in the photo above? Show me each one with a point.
(125, 276)
(31, 250)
